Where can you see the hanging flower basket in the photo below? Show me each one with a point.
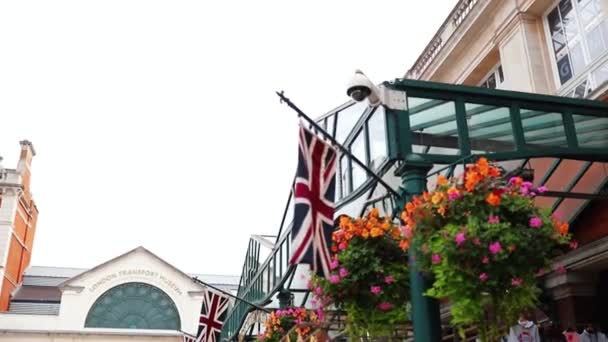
(485, 242)
(370, 279)
(291, 323)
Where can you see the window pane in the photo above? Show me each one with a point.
(492, 81)
(490, 128)
(556, 29)
(377, 138)
(568, 19)
(501, 77)
(358, 150)
(347, 118)
(601, 74)
(577, 58)
(595, 42)
(564, 70)
(546, 129)
(344, 186)
(591, 132)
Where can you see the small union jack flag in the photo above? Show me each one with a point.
(211, 319)
(314, 192)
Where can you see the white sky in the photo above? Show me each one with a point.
(156, 122)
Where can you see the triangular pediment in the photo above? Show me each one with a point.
(137, 265)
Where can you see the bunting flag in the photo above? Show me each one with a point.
(314, 191)
(211, 319)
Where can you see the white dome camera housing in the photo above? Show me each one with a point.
(360, 88)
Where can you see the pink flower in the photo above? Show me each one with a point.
(334, 264)
(495, 247)
(435, 258)
(560, 269)
(516, 282)
(375, 290)
(573, 245)
(540, 272)
(385, 306)
(541, 189)
(484, 277)
(318, 291)
(342, 246)
(407, 232)
(535, 222)
(527, 184)
(493, 219)
(477, 242)
(343, 272)
(320, 314)
(460, 239)
(334, 279)
(389, 279)
(452, 196)
(485, 260)
(514, 180)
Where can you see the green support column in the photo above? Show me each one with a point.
(425, 310)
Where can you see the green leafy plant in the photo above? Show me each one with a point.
(485, 242)
(370, 279)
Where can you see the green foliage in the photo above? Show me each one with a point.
(370, 280)
(485, 246)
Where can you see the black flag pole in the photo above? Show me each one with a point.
(334, 142)
(261, 308)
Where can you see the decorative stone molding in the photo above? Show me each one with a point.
(572, 284)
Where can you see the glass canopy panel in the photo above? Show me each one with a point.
(357, 148)
(543, 129)
(347, 118)
(433, 122)
(591, 132)
(489, 128)
(560, 179)
(376, 128)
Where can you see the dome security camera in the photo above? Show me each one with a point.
(361, 88)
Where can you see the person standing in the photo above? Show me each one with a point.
(524, 331)
(590, 334)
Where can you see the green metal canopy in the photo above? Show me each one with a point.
(564, 140)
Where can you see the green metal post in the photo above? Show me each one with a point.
(425, 310)
(285, 298)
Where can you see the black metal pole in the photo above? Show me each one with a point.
(231, 295)
(337, 144)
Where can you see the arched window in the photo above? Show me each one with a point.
(134, 306)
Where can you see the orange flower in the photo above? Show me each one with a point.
(410, 207)
(494, 172)
(471, 180)
(365, 233)
(483, 166)
(404, 245)
(493, 199)
(374, 212)
(441, 210)
(375, 232)
(437, 197)
(441, 180)
(562, 228)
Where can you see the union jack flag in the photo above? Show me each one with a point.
(211, 319)
(314, 191)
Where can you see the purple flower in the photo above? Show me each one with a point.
(389, 279)
(375, 290)
(343, 272)
(541, 189)
(334, 264)
(495, 247)
(385, 306)
(527, 184)
(514, 180)
(516, 282)
(435, 258)
(460, 239)
(334, 279)
(483, 277)
(318, 291)
(535, 222)
(525, 191)
(493, 219)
